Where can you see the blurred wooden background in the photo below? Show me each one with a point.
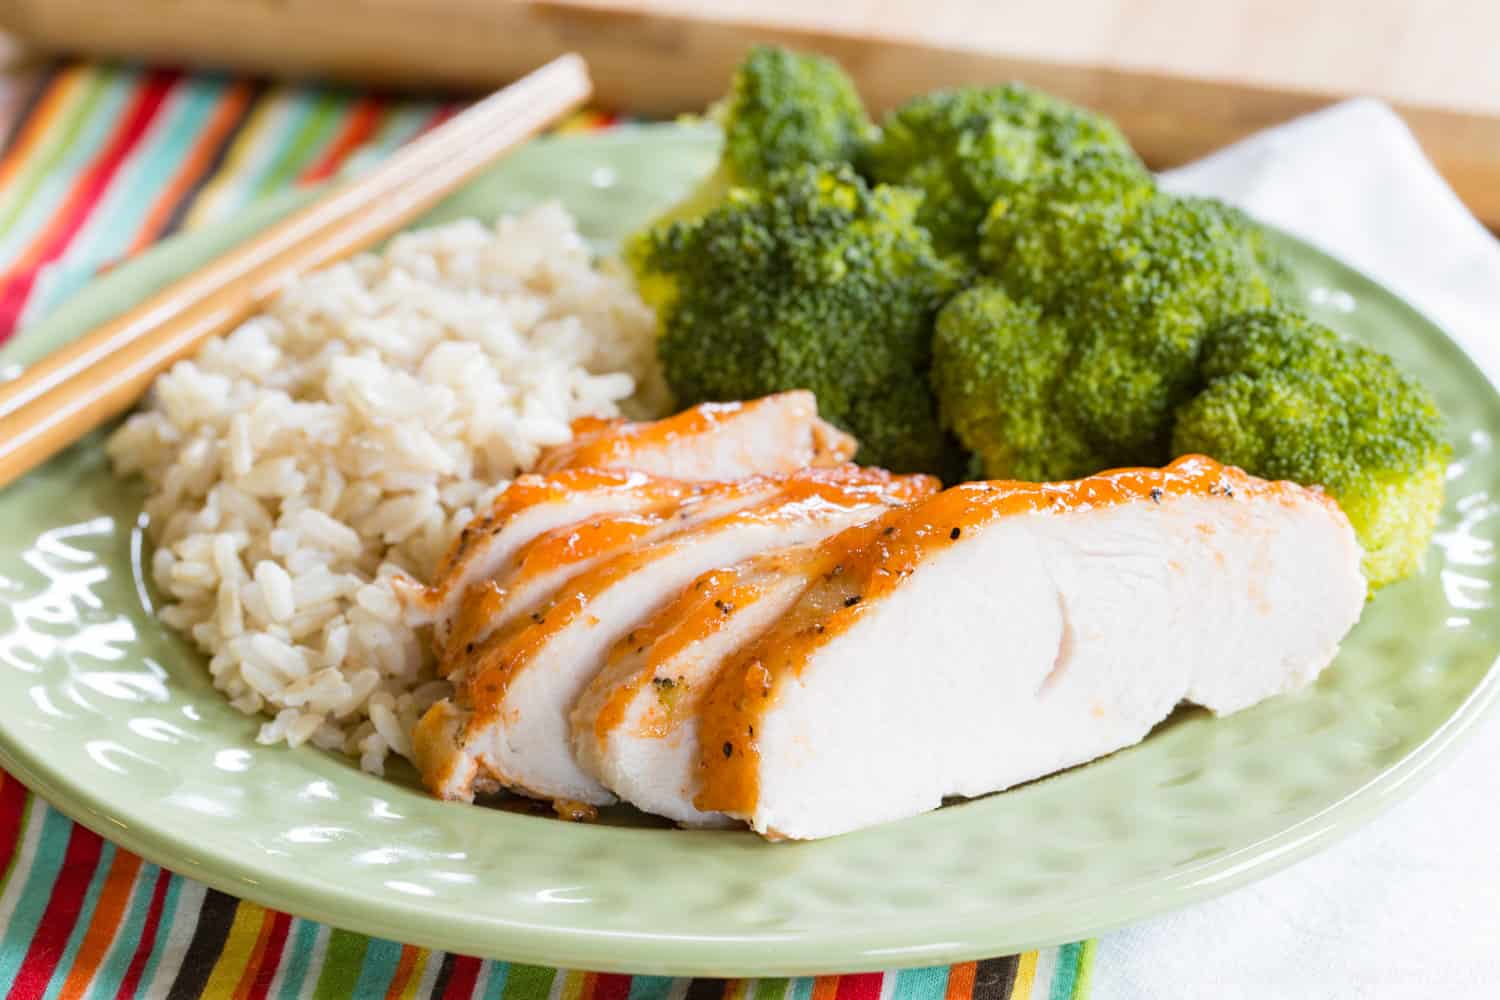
(1441, 53)
(1182, 76)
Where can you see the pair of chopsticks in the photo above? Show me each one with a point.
(65, 395)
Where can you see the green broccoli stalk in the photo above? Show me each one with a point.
(1286, 398)
(966, 148)
(816, 281)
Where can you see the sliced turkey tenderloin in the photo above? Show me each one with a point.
(1004, 631)
(510, 726)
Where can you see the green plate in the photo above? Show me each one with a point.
(109, 715)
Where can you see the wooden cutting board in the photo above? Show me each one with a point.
(1182, 77)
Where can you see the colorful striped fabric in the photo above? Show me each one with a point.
(99, 163)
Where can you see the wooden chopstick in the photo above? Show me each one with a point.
(70, 392)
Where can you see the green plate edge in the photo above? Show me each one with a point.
(925, 891)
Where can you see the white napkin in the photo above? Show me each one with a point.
(1409, 906)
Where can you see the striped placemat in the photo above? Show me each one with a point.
(99, 163)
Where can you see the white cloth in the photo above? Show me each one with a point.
(1408, 906)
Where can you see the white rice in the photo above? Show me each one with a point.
(298, 464)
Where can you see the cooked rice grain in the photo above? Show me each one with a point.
(298, 464)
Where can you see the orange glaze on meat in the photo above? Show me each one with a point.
(876, 558)
(691, 616)
(573, 545)
(596, 536)
(481, 602)
(584, 540)
(697, 613)
(531, 490)
(601, 443)
(432, 742)
(501, 658)
(585, 427)
(486, 601)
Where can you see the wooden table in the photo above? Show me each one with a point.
(1438, 53)
(1182, 76)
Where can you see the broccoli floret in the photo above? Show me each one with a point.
(1121, 282)
(967, 147)
(1286, 398)
(1179, 267)
(784, 109)
(1275, 268)
(815, 281)
(996, 366)
(1047, 234)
